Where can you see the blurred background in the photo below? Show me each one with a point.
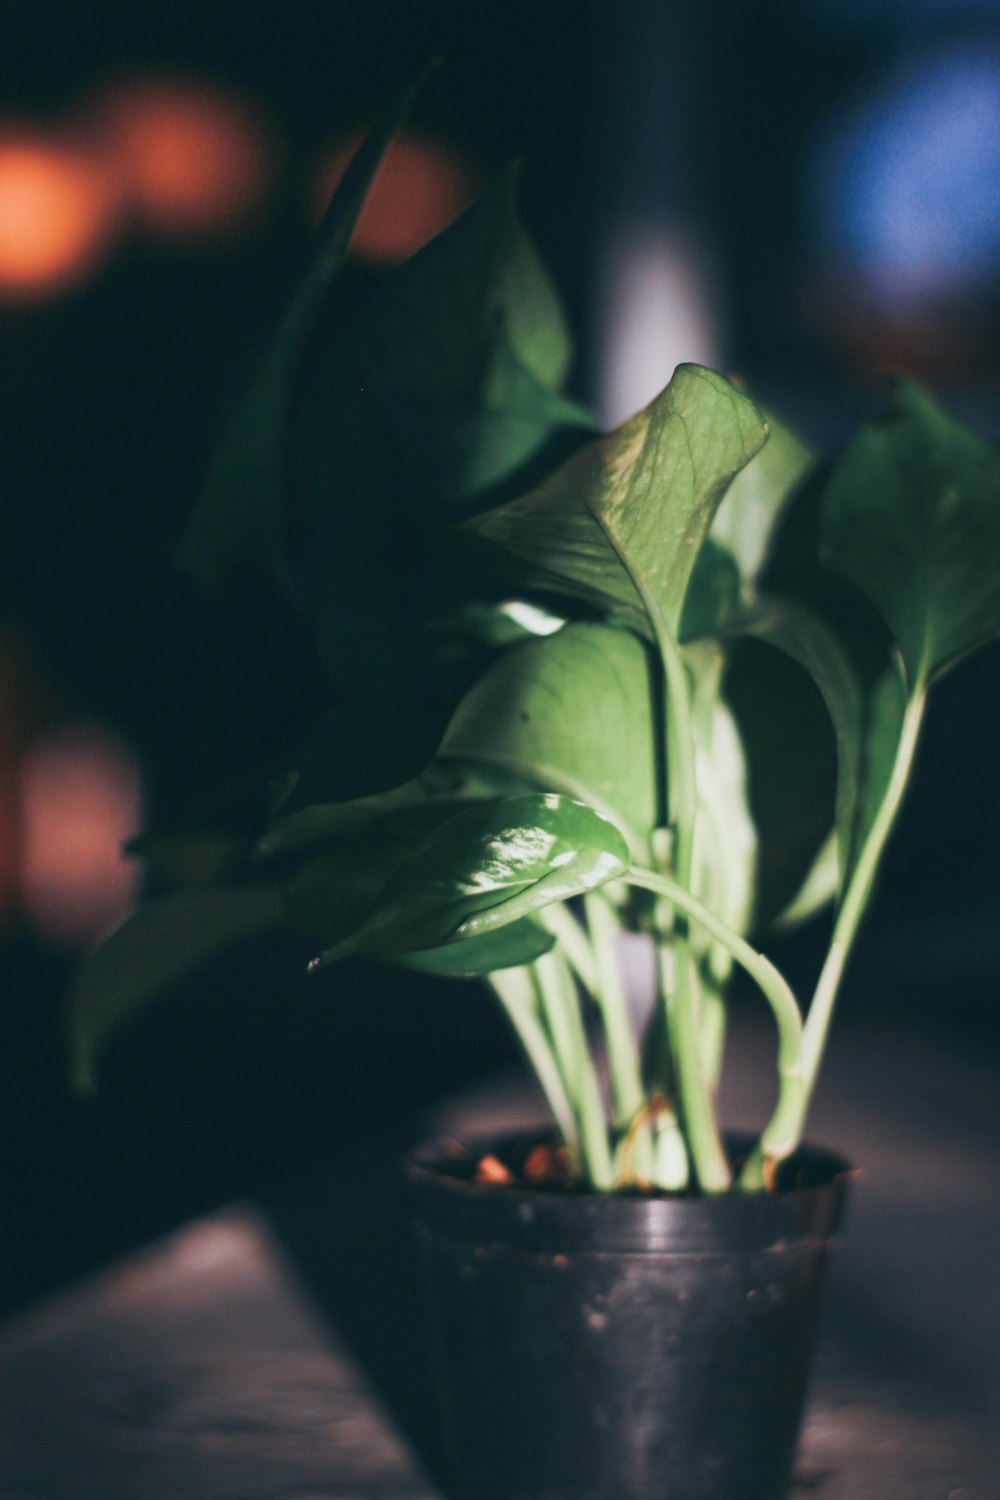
(806, 192)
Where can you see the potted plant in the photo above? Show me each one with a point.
(664, 680)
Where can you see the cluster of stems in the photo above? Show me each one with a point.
(655, 1124)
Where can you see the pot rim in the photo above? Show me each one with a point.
(807, 1207)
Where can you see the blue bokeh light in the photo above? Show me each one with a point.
(906, 183)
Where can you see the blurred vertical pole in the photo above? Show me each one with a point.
(657, 293)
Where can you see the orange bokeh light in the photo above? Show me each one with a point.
(80, 801)
(420, 188)
(57, 213)
(192, 159)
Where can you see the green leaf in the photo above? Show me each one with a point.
(727, 837)
(490, 866)
(177, 860)
(621, 523)
(239, 520)
(468, 413)
(792, 772)
(346, 855)
(502, 948)
(574, 713)
(818, 888)
(434, 394)
(805, 639)
(477, 291)
(150, 952)
(748, 519)
(713, 593)
(448, 784)
(911, 516)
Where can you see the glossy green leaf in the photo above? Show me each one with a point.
(911, 516)
(574, 713)
(507, 947)
(152, 951)
(490, 866)
(335, 882)
(621, 523)
(748, 519)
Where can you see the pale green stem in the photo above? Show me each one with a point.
(701, 1129)
(682, 789)
(560, 921)
(515, 989)
(787, 1132)
(561, 1006)
(679, 977)
(627, 1093)
(712, 1028)
(776, 991)
(856, 896)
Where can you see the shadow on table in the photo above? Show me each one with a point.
(346, 1229)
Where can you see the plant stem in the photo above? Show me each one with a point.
(561, 1007)
(515, 989)
(678, 977)
(682, 791)
(776, 991)
(787, 1132)
(627, 1094)
(712, 1029)
(560, 921)
(859, 889)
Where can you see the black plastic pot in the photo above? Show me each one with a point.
(595, 1347)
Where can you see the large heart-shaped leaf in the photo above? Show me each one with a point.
(490, 866)
(239, 520)
(911, 515)
(153, 950)
(437, 391)
(622, 522)
(574, 713)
